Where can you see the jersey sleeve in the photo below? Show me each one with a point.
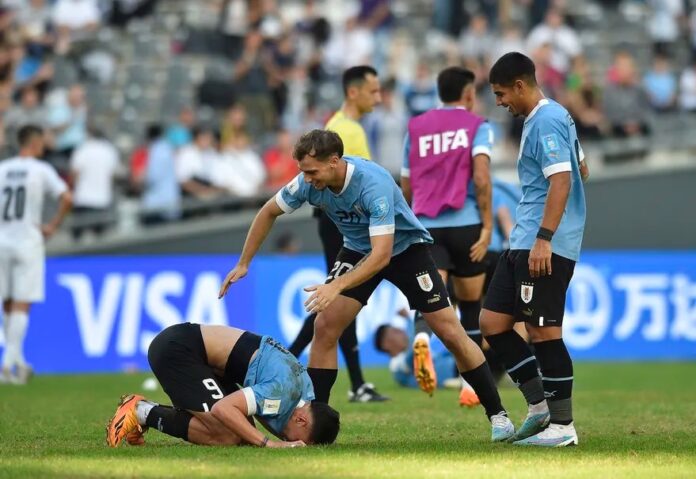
(263, 399)
(293, 195)
(406, 165)
(483, 140)
(55, 186)
(379, 202)
(553, 148)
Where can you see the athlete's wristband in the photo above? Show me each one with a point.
(264, 443)
(545, 234)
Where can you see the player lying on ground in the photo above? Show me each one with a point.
(200, 368)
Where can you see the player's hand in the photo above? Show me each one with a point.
(479, 249)
(285, 444)
(48, 230)
(584, 171)
(322, 296)
(540, 259)
(233, 276)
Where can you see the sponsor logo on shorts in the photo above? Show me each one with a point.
(526, 292)
(528, 312)
(435, 299)
(425, 282)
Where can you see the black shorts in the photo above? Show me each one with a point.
(178, 359)
(413, 272)
(537, 301)
(491, 260)
(452, 247)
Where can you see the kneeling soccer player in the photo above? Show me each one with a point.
(218, 378)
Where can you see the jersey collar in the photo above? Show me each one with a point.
(542, 102)
(349, 174)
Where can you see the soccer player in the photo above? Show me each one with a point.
(382, 240)
(361, 90)
(25, 181)
(531, 278)
(218, 379)
(447, 180)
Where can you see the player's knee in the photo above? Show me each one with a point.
(325, 330)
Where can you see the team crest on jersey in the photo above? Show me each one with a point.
(550, 143)
(425, 282)
(526, 292)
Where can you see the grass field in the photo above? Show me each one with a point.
(634, 420)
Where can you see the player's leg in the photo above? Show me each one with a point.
(547, 304)
(8, 354)
(304, 337)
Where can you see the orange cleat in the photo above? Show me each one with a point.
(423, 367)
(125, 422)
(136, 437)
(468, 398)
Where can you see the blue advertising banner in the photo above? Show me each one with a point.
(101, 313)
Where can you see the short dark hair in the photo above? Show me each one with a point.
(511, 67)
(27, 134)
(326, 422)
(356, 76)
(452, 81)
(319, 144)
(379, 335)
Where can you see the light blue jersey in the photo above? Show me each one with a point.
(549, 145)
(275, 384)
(370, 204)
(505, 195)
(469, 213)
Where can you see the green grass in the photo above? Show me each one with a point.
(634, 420)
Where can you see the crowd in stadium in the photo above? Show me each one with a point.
(234, 138)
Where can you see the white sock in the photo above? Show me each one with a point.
(17, 331)
(8, 356)
(423, 336)
(539, 408)
(142, 409)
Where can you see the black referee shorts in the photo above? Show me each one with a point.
(413, 272)
(537, 301)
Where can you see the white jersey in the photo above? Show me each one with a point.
(24, 183)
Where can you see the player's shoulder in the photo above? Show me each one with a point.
(553, 112)
(368, 169)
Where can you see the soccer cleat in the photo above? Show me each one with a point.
(6, 377)
(24, 374)
(468, 398)
(366, 393)
(556, 435)
(124, 421)
(502, 428)
(136, 437)
(423, 367)
(533, 424)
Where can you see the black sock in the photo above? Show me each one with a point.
(304, 337)
(557, 375)
(323, 380)
(348, 343)
(420, 325)
(169, 420)
(520, 363)
(481, 380)
(497, 367)
(469, 312)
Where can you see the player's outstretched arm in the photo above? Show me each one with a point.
(232, 411)
(64, 205)
(260, 227)
(371, 264)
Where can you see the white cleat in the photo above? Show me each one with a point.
(24, 374)
(502, 428)
(556, 435)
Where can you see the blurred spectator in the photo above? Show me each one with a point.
(626, 105)
(68, 120)
(234, 123)
(663, 24)
(351, 45)
(281, 167)
(74, 20)
(161, 200)
(196, 163)
(94, 166)
(123, 11)
(179, 132)
(421, 95)
(138, 160)
(29, 70)
(28, 111)
(584, 102)
(386, 128)
(510, 41)
(687, 88)
(376, 17)
(476, 42)
(240, 170)
(550, 80)
(661, 85)
(564, 42)
(279, 67)
(34, 19)
(251, 82)
(449, 16)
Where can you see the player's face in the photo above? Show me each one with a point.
(368, 94)
(507, 97)
(299, 427)
(38, 146)
(319, 174)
